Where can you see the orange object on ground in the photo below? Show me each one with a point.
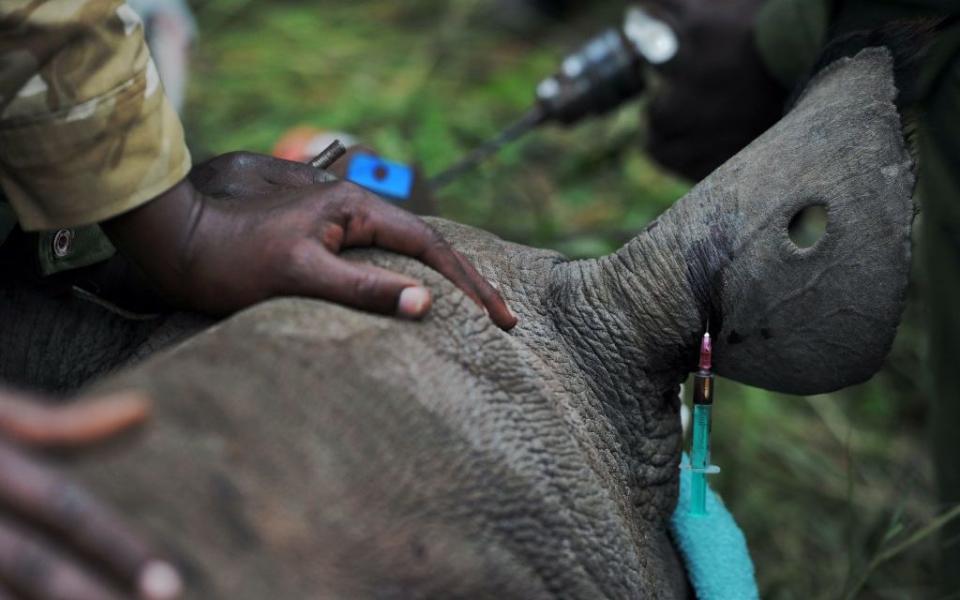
(304, 142)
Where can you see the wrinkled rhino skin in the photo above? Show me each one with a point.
(301, 449)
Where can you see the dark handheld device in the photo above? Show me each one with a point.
(608, 70)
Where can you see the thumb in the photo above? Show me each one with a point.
(328, 276)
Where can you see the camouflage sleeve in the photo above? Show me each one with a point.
(86, 132)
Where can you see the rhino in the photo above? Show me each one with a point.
(301, 449)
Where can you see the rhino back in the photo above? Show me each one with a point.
(307, 450)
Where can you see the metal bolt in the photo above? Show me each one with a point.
(63, 243)
(330, 155)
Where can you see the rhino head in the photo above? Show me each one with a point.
(784, 317)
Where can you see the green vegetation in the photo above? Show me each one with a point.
(835, 493)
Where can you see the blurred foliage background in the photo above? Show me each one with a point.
(835, 493)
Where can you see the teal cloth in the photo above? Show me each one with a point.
(713, 548)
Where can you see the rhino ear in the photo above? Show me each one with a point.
(813, 319)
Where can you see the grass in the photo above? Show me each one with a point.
(421, 82)
(835, 493)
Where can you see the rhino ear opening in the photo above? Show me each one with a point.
(808, 225)
(816, 216)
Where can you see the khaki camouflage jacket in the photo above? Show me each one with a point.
(86, 132)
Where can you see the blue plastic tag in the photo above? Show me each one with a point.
(384, 177)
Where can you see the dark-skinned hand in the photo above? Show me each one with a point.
(56, 540)
(244, 227)
(716, 94)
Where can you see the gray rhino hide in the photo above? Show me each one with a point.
(301, 449)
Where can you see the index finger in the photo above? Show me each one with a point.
(33, 422)
(40, 494)
(391, 228)
(491, 297)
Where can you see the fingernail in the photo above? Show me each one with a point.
(414, 302)
(159, 581)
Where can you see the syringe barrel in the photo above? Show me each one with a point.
(700, 457)
(700, 448)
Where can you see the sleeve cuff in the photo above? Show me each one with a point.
(96, 160)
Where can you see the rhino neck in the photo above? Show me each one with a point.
(632, 320)
(639, 313)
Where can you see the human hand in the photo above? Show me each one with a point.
(56, 540)
(716, 94)
(248, 175)
(238, 234)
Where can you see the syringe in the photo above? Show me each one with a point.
(700, 447)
